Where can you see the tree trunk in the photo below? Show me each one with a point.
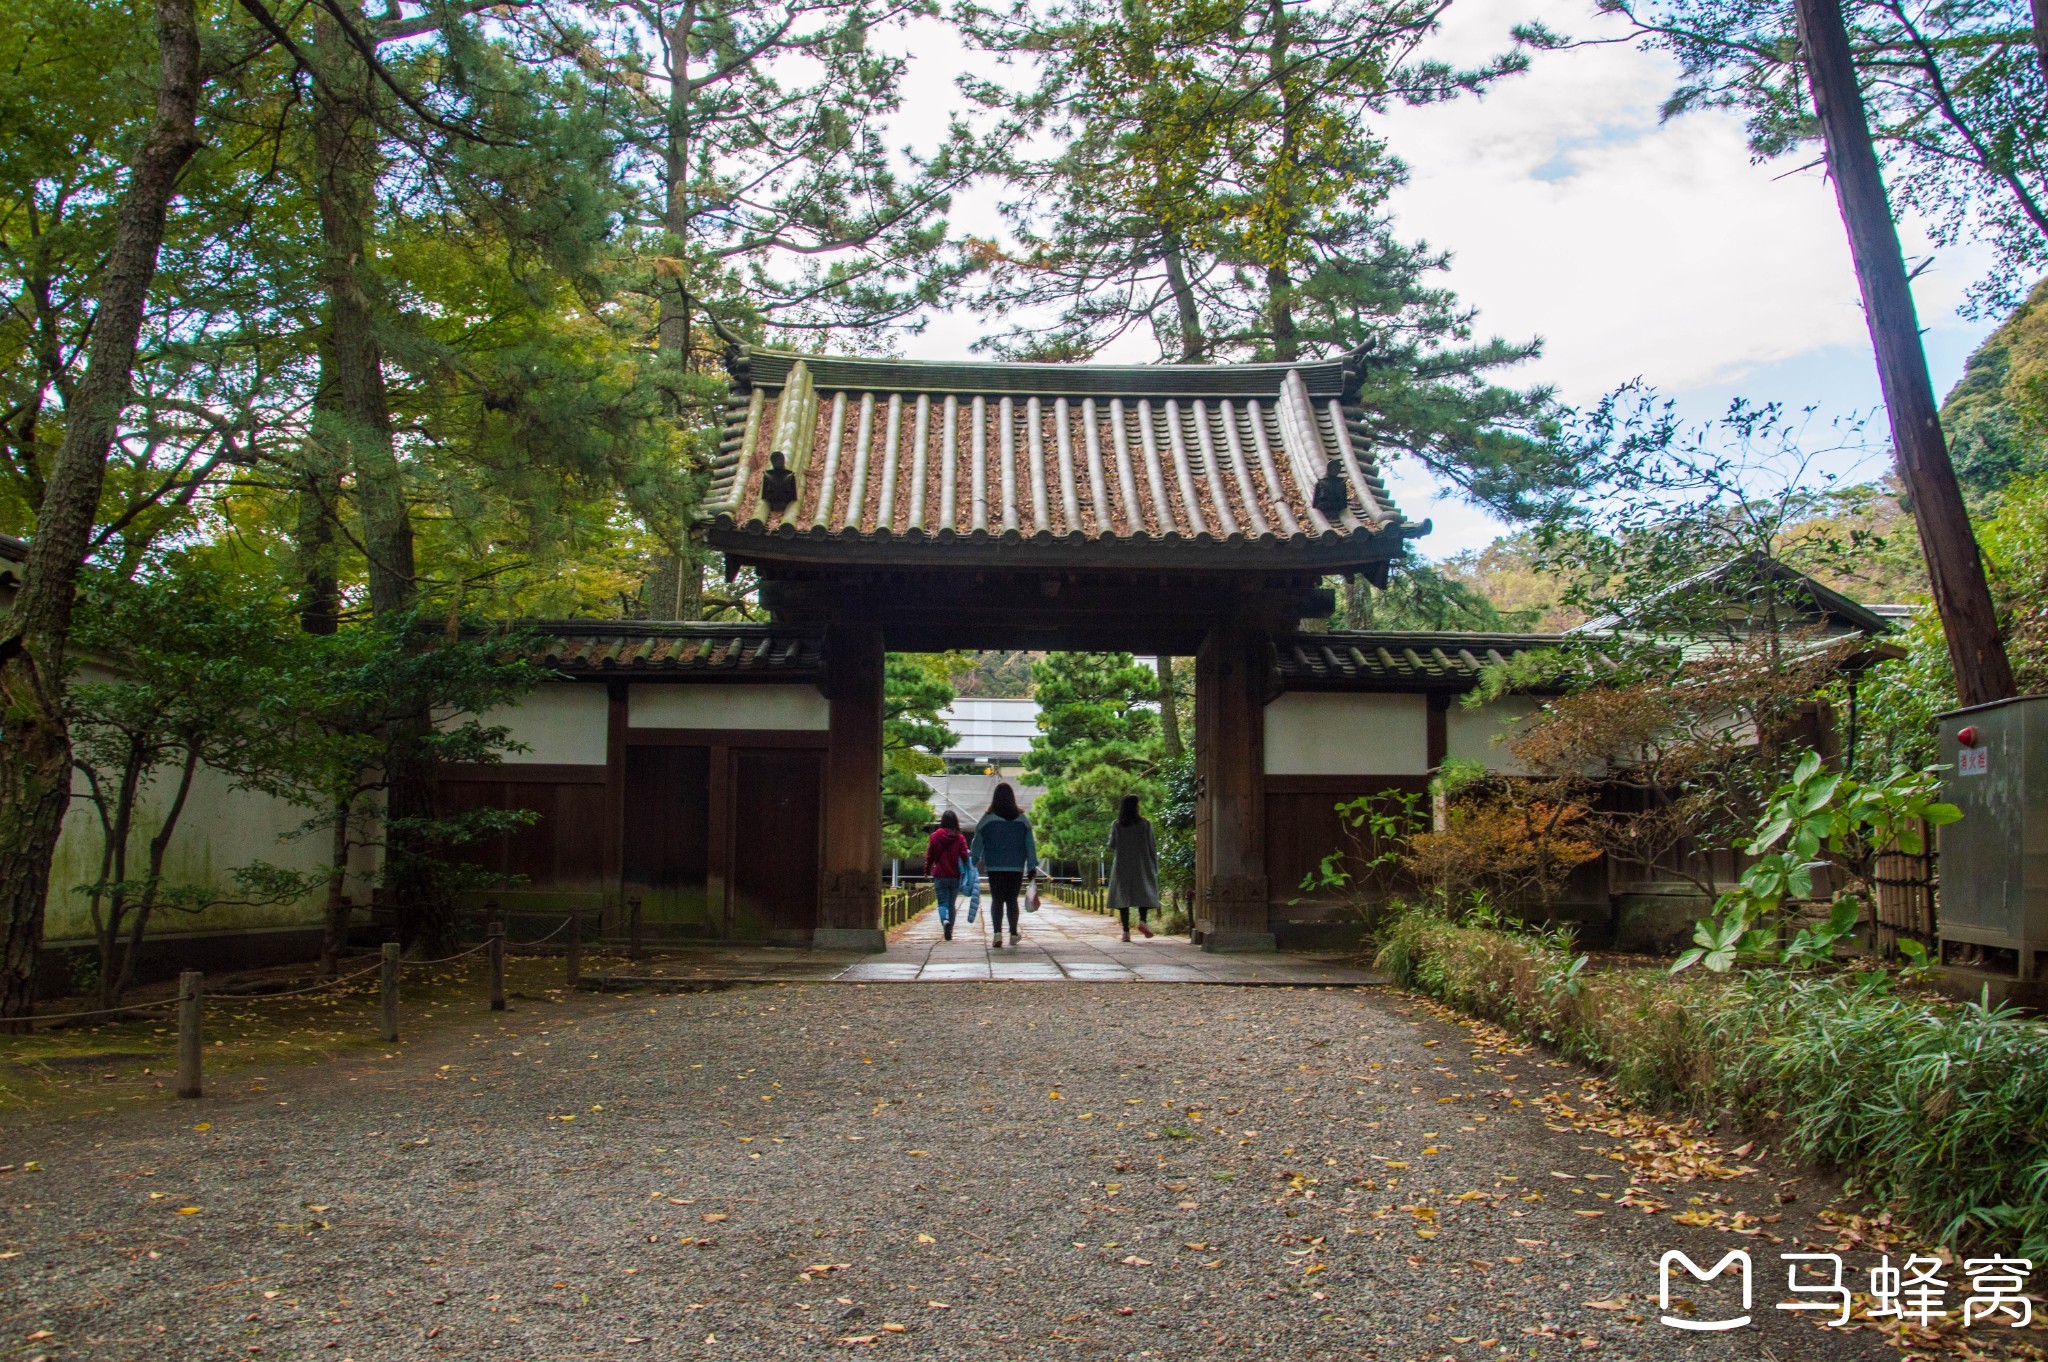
(673, 323)
(1194, 343)
(315, 536)
(1961, 594)
(345, 134)
(334, 941)
(159, 845)
(2040, 15)
(358, 415)
(1169, 711)
(35, 746)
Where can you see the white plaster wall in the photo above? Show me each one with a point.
(1311, 733)
(1470, 733)
(711, 706)
(221, 829)
(561, 723)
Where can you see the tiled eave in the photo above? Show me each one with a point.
(1181, 466)
(1367, 660)
(680, 651)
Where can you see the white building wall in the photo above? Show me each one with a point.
(560, 723)
(711, 706)
(222, 829)
(1317, 733)
(1472, 733)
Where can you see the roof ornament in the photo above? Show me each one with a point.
(1332, 496)
(778, 484)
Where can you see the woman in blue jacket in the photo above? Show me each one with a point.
(1007, 851)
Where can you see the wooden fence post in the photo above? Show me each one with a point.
(190, 1010)
(389, 981)
(633, 927)
(575, 947)
(497, 954)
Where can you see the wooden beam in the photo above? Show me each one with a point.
(736, 737)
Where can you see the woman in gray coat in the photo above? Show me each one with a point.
(1133, 866)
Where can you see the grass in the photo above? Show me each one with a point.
(84, 1069)
(1940, 1108)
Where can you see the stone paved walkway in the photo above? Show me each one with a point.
(1065, 943)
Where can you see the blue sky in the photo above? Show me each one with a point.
(1635, 249)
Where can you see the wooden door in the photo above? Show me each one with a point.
(667, 852)
(777, 820)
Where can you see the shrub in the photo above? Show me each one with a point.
(1938, 1107)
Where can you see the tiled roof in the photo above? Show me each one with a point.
(1125, 463)
(1366, 660)
(685, 648)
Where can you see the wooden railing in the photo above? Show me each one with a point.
(1094, 900)
(903, 903)
(1905, 887)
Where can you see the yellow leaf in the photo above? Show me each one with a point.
(188, 1210)
(713, 1217)
(926, 1239)
(204, 1125)
(893, 1328)
(919, 1154)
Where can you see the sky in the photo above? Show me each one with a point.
(1635, 249)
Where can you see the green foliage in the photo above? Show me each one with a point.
(1174, 824)
(1819, 818)
(194, 654)
(344, 699)
(1995, 417)
(1378, 832)
(1213, 175)
(1099, 742)
(1422, 597)
(915, 687)
(1937, 1107)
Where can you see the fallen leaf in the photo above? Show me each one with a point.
(895, 1328)
(204, 1125)
(1135, 1261)
(713, 1217)
(188, 1210)
(926, 1239)
(1605, 1305)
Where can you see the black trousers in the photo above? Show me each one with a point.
(1003, 889)
(1125, 913)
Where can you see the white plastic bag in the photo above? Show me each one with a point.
(1031, 899)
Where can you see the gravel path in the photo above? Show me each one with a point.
(993, 1170)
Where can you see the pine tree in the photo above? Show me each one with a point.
(1219, 182)
(1099, 741)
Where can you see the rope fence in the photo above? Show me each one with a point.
(190, 1000)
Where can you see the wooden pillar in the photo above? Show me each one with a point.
(614, 808)
(850, 913)
(1231, 906)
